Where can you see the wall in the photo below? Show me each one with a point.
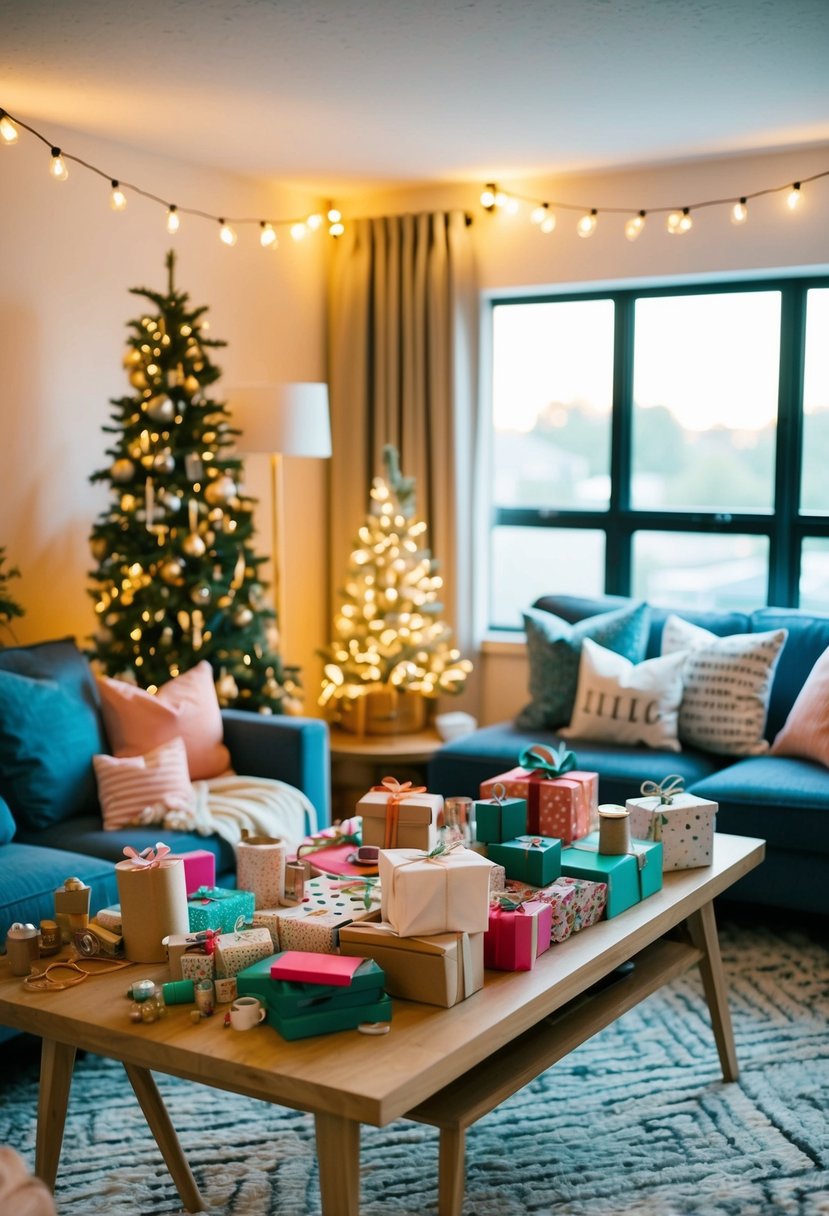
(513, 256)
(67, 263)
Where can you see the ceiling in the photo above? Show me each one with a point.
(332, 93)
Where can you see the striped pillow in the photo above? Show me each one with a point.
(129, 784)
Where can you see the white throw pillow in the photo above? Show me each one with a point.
(622, 702)
(727, 686)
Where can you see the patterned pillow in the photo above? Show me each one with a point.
(553, 649)
(727, 686)
(623, 702)
(129, 784)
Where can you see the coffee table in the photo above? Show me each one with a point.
(426, 1067)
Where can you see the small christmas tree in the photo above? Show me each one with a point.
(177, 580)
(388, 629)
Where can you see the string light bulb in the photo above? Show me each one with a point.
(298, 231)
(57, 166)
(538, 214)
(267, 235)
(685, 221)
(548, 222)
(117, 200)
(8, 131)
(488, 196)
(173, 219)
(793, 197)
(226, 234)
(739, 212)
(634, 226)
(587, 224)
(314, 221)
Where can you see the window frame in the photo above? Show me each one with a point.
(784, 526)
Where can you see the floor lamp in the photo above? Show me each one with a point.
(280, 420)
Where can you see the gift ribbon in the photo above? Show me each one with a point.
(396, 791)
(347, 832)
(366, 886)
(438, 856)
(207, 895)
(640, 857)
(147, 859)
(550, 762)
(665, 790)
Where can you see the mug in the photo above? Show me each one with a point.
(246, 1012)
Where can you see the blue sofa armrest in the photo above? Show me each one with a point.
(294, 750)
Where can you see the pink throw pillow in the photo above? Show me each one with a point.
(185, 707)
(805, 732)
(127, 785)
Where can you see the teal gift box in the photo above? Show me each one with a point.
(300, 1010)
(532, 859)
(219, 908)
(326, 1021)
(498, 819)
(630, 877)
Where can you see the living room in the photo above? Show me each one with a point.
(619, 108)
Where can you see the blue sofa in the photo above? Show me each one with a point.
(50, 821)
(785, 801)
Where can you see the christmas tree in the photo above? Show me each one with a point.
(388, 629)
(177, 580)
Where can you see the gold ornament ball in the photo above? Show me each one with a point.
(172, 571)
(164, 462)
(161, 409)
(220, 490)
(122, 469)
(148, 460)
(132, 357)
(242, 616)
(200, 594)
(98, 547)
(191, 385)
(137, 379)
(226, 688)
(193, 545)
(128, 502)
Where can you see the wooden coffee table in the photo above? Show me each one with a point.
(518, 1024)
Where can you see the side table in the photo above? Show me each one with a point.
(360, 761)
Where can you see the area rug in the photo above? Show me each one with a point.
(636, 1122)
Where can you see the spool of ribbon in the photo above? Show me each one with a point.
(614, 830)
(396, 791)
(665, 790)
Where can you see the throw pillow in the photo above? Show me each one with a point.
(554, 647)
(185, 707)
(805, 733)
(48, 737)
(7, 825)
(128, 785)
(727, 686)
(623, 702)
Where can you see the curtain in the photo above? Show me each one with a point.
(403, 322)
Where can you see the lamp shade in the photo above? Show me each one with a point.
(289, 419)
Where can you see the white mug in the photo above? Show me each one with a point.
(246, 1012)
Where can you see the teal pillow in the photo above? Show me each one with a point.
(7, 824)
(48, 737)
(554, 649)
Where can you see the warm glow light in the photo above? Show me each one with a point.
(336, 229)
(314, 221)
(267, 237)
(226, 234)
(298, 231)
(173, 220)
(117, 200)
(739, 212)
(511, 205)
(685, 222)
(587, 224)
(58, 167)
(634, 226)
(548, 223)
(8, 130)
(794, 196)
(672, 222)
(334, 216)
(538, 213)
(488, 197)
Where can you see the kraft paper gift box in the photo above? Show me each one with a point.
(500, 818)
(440, 969)
(630, 877)
(517, 934)
(329, 904)
(445, 891)
(176, 945)
(153, 903)
(235, 951)
(399, 816)
(684, 824)
(561, 807)
(532, 859)
(199, 868)
(589, 900)
(219, 908)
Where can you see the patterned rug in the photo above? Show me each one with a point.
(636, 1122)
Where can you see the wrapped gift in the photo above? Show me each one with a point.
(151, 892)
(683, 822)
(329, 904)
(497, 879)
(199, 868)
(196, 966)
(532, 859)
(589, 900)
(219, 908)
(110, 918)
(260, 868)
(500, 817)
(443, 891)
(517, 934)
(235, 951)
(326, 1021)
(441, 969)
(562, 801)
(291, 997)
(225, 990)
(269, 919)
(176, 945)
(398, 815)
(630, 877)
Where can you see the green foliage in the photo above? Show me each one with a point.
(9, 607)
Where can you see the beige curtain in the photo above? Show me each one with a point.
(403, 319)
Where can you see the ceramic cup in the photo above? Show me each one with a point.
(246, 1012)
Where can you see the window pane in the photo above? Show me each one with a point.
(814, 574)
(815, 484)
(552, 393)
(705, 402)
(699, 570)
(529, 562)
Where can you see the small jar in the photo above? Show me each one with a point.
(50, 941)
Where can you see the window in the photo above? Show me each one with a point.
(670, 444)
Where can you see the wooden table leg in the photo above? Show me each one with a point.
(451, 1171)
(338, 1156)
(56, 1063)
(160, 1124)
(703, 930)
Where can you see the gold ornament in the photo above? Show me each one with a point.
(161, 409)
(200, 594)
(170, 501)
(137, 379)
(220, 490)
(132, 357)
(193, 545)
(164, 462)
(191, 385)
(122, 470)
(242, 617)
(128, 502)
(172, 571)
(226, 688)
(98, 546)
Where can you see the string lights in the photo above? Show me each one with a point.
(299, 228)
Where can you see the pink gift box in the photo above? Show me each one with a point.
(561, 807)
(516, 937)
(199, 869)
(590, 900)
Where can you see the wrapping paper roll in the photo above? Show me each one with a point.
(153, 903)
(260, 867)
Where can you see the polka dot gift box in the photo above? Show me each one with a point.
(683, 822)
(562, 801)
(329, 904)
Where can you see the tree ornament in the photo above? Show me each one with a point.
(242, 616)
(128, 503)
(170, 501)
(220, 490)
(132, 358)
(172, 571)
(137, 378)
(200, 594)
(122, 470)
(99, 547)
(193, 545)
(161, 409)
(164, 462)
(227, 689)
(191, 385)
